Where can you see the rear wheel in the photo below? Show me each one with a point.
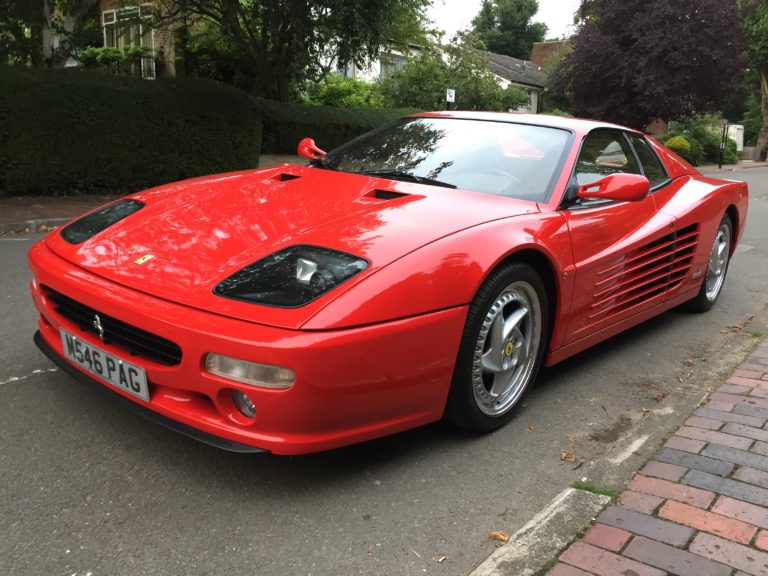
(501, 349)
(717, 267)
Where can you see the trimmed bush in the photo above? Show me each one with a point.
(681, 146)
(286, 124)
(343, 92)
(75, 132)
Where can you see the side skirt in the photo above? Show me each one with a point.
(574, 348)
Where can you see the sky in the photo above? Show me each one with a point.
(454, 15)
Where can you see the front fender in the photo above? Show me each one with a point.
(448, 272)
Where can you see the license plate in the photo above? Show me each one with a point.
(119, 373)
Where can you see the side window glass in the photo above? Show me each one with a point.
(604, 152)
(652, 166)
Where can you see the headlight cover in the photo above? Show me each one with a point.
(91, 224)
(291, 277)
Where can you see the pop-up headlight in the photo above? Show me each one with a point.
(291, 277)
(91, 224)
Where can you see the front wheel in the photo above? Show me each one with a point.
(717, 267)
(501, 349)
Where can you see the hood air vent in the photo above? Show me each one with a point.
(285, 177)
(385, 194)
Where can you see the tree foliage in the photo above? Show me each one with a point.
(45, 32)
(274, 45)
(756, 25)
(505, 27)
(639, 60)
(461, 66)
(21, 23)
(342, 92)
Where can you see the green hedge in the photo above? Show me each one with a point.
(75, 132)
(286, 124)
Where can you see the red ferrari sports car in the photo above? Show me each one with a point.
(424, 270)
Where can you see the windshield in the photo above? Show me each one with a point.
(502, 158)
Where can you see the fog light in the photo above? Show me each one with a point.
(251, 373)
(244, 403)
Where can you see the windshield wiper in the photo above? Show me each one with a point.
(322, 163)
(407, 177)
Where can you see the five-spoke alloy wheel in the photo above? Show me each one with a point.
(501, 349)
(717, 267)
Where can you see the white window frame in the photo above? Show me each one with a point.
(110, 18)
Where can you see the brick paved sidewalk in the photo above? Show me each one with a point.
(700, 507)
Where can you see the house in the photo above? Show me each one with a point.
(125, 26)
(526, 75)
(544, 54)
(389, 62)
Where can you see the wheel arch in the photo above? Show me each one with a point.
(733, 213)
(545, 267)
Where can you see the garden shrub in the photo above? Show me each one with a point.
(679, 145)
(75, 132)
(286, 124)
(704, 135)
(342, 92)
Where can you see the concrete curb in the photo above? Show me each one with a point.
(30, 226)
(545, 535)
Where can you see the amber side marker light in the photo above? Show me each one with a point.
(250, 373)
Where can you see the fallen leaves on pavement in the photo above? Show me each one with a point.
(499, 536)
(567, 456)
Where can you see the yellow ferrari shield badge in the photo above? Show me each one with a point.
(143, 259)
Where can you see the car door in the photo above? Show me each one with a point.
(616, 245)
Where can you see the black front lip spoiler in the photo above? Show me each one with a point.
(138, 409)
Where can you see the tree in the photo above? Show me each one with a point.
(462, 66)
(20, 31)
(61, 21)
(42, 32)
(505, 27)
(756, 24)
(274, 45)
(640, 60)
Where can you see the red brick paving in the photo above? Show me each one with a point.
(700, 507)
(664, 471)
(671, 490)
(679, 443)
(607, 537)
(638, 502)
(729, 528)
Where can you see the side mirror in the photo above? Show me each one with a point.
(308, 149)
(618, 187)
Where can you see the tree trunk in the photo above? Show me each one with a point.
(762, 138)
(47, 33)
(56, 48)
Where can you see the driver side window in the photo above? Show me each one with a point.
(604, 152)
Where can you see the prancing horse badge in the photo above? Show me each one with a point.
(143, 259)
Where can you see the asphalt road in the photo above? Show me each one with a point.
(88, 489)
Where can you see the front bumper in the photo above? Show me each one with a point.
(351, 385)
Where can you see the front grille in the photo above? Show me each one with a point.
(136, 341)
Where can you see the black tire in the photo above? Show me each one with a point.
(491, 351)
(714, 277)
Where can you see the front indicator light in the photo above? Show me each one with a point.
(244, 404)
(251, 373)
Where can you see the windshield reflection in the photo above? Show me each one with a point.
(501, 158)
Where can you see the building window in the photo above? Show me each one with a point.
(131, 26)
(391, 63)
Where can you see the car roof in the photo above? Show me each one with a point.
(576, 124)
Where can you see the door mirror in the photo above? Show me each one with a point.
(619, 187)
(308, 149)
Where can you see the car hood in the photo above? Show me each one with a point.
(201, 231)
